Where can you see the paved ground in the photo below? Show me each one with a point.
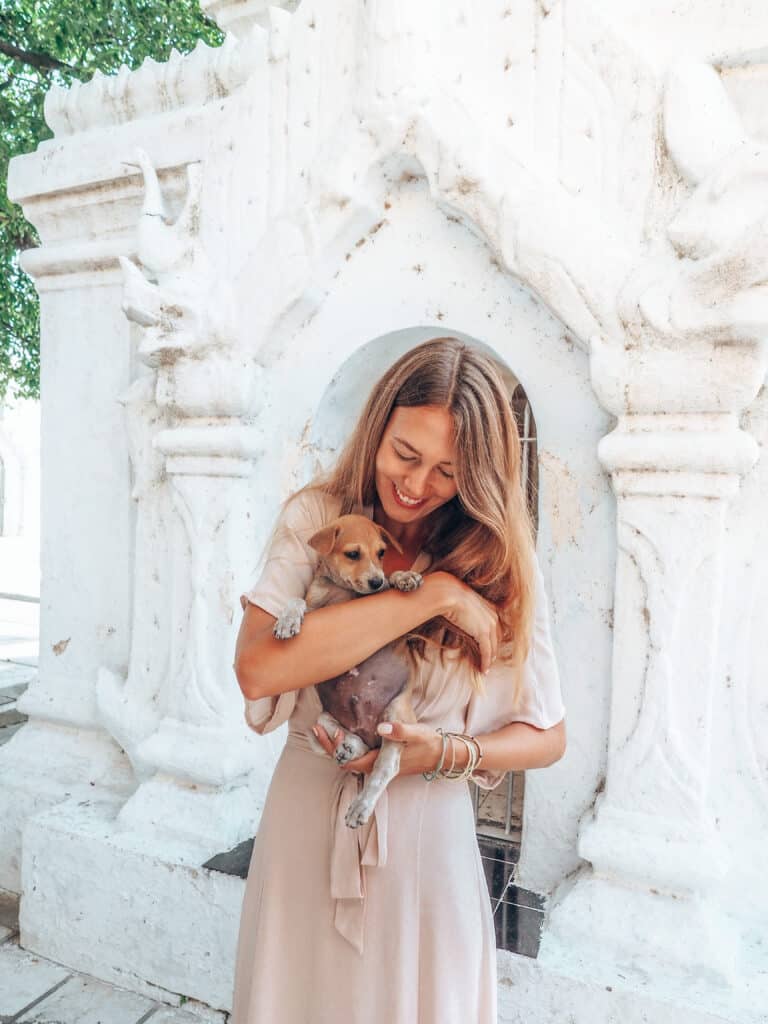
(38, 991)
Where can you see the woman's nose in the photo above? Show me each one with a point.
(416, 483)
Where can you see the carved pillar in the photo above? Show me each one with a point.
(693, 359)
(62, 752)
(188, 741)
(654, 851)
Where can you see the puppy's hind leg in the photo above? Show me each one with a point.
(349, 748)
(384, 770)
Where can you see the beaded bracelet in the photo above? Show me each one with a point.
(474, 756)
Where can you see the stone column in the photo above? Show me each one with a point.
(654, 852)
(62, 752)
(693, 358)
(182, 714)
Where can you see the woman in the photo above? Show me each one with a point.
(391, 923)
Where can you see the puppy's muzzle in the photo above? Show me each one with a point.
(376, 582)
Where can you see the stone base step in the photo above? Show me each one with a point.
(34, 990)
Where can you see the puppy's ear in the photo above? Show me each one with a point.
(387, 537)
(324, 541)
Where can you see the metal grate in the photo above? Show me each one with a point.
(499, 812)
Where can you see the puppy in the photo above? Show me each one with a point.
(351, 549)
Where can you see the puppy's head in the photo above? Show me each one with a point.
(351, 549)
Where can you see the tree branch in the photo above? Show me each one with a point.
(42, 61)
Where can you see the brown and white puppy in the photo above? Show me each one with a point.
(351, 549)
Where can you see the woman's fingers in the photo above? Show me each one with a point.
(329, 744)
(326, 742)
(486, 654)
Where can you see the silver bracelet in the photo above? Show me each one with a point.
(474, 756)
(429, 776)
(472, 759)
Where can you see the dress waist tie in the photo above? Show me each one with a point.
(352, 850)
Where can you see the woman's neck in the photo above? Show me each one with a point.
(408, 535)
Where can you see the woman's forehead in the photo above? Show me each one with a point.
(429, 428)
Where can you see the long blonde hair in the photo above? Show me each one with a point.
(483, 535)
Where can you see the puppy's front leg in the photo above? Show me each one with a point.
(384, 770)
(289, 621)
(405, 579)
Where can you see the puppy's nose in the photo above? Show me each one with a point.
(376, 583)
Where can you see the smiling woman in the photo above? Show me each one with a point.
(413, 472)
(435, 459)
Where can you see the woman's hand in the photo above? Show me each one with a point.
(421, 748)
(469, 612)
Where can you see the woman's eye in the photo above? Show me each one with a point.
(412, 458)
(353, 555)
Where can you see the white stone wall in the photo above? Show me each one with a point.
(233, 246)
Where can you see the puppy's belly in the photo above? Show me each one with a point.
(357, 698)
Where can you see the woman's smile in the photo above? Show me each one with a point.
(415, 469)
(405, 500)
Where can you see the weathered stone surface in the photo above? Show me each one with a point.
(543, 180)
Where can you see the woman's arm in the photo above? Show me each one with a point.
(515, 747)
(332, 639)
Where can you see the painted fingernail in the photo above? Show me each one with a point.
(337, 734)
(314, 730)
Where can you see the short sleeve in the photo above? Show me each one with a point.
(289, 565)
(540, 703)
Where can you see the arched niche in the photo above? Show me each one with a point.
(498, 812)
(425, 274)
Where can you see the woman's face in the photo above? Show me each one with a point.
(416, 460)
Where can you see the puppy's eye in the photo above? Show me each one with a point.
(381, 553)
(353, 555)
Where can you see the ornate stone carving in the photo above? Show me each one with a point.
(240, 16)
(692, 358)
(190, 471)
(131, 708)
(201, 77)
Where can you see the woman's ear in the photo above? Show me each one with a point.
(387, 537)
(324, 541)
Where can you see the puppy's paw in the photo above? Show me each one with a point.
(405, 579)
(289, 621)
(285, 628)
(350, 748)
(351, 745)
(359, 811)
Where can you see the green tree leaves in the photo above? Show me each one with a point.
(43, 42)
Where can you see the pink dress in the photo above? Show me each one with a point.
(390, 923)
